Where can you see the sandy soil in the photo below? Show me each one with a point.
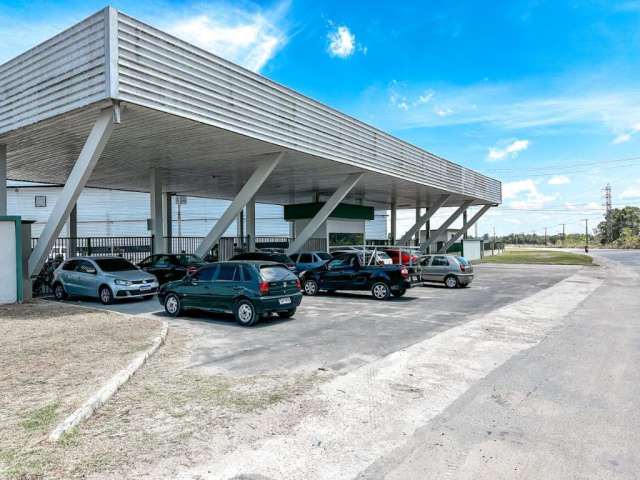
(53, 358)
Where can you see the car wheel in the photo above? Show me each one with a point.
(399, 293)
(380, 291)
(105, 294)
(287, 313)
(451, 282)
(59, 292)
(245, 313)
(310, 287)
(173, 305)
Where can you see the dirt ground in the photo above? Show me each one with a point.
(165, 417)
(53, 358)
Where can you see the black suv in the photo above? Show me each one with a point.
(345, 272)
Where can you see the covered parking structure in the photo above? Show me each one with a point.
(114, 103)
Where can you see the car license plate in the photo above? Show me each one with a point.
(144, 288)
(285, 301)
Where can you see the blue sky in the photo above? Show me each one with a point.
(544, 95)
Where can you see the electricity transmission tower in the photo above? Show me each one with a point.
(607, 204)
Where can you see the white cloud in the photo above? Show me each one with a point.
(249, 38)
(442, 112)
(559, 180)
(342, 43)
(511, 150)
(524, 194)
(626, 136)
(425, 97)
(632, 192)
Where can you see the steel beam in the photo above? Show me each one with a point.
(326, 210)
(80, 173)
(3, 180)
(406, 238)
(247, 192)
(447, 223)
(464, 229)
(251, 224)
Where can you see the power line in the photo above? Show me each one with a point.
(568, 165)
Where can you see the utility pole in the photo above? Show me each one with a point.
(586, 233)
(545, 236)
(563, 237)
(607, 204)
(493, 245)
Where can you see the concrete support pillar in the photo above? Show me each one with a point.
(240, 225)
(406, 238)
(167, 220)
(251, 224)
(155, 197)
(446, 224)
(417, 237)
(394, 221)
(466, 226)
(464, 222)
(73, 232)
(76, 181)
(3, 180)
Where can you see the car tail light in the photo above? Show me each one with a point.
(298, 286)
(404, 272)
(462, 268)
(264, 288)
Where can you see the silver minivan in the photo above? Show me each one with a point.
(452, 270)
(106, 278)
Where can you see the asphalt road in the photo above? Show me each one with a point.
(565, 409)
(345, 330)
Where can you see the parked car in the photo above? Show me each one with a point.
(170, 267)
(248, 289)
(400, 256)
(367, 256)
(107, 278)
(308, 260)
(346, 272)
(268, 257)
(452, 270)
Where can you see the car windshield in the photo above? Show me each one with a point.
(463, 260)
(188, 259)
(115, 264)
(324, 256)
(276, 274)
(281, 258)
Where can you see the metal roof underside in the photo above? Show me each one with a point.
(204, 122)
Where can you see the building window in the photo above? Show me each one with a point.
(41, 201)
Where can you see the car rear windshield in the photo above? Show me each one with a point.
(115, 264)
(463, 260)
(188, 259)
(276, 274)
(324, 256)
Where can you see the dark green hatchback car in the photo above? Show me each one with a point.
(248, 289)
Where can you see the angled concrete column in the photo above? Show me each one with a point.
(167, 220)
(78, 177)
(440, 201)
(3, 180)
(73, 232)
(247, 192)
(416, 237)
(251, 224)
(393, 221)
(326, 210)
(466, 226)
(447, 223)
(155, 207)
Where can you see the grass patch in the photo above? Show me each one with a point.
(540, 257)
(41, 418)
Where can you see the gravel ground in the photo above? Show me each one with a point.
(53, 358)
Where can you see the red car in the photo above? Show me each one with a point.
(408, 258)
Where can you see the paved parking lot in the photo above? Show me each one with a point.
(345, 330)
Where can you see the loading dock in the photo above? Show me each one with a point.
(114, 103)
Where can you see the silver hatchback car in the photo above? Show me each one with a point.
(452, 270)
(107, 278)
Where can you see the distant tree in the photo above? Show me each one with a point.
(625, 225)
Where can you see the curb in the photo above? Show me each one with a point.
(109, 389)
